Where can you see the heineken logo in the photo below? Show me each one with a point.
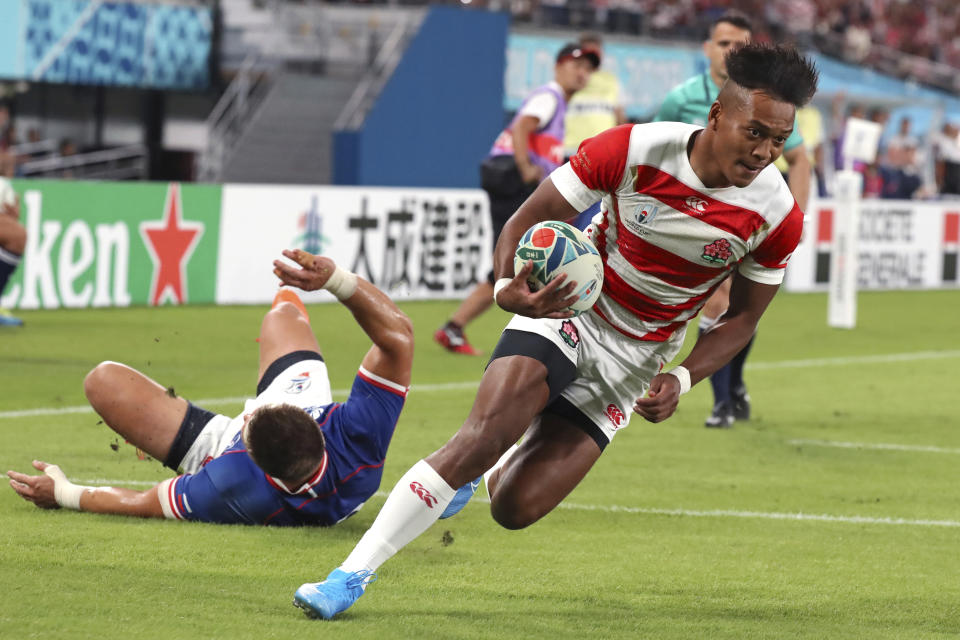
(109, 245)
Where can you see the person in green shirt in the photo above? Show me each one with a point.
(690, 102)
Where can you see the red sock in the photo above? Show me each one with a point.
(289, 295)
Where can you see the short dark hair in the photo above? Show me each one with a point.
(284, 441)
(779, 71)
(737, 19)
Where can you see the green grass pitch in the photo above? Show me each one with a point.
(800, 523)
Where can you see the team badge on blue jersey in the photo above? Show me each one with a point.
(316, 412)
(299, 383)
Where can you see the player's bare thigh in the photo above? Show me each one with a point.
(512, 392)
(284, 330)
(717, 304)
(144, 412)
(553, 458)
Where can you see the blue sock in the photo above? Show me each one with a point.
(720, 381)
(736, 365)
(8, 264)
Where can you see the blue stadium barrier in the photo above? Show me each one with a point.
(440, 111)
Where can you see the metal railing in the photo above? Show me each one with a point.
(34, 148)
(121, 163)
(386, 60)
(233, 112)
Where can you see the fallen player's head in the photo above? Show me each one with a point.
(755, 111)
(285, 442)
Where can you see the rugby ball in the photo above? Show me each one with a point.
(7, 194)
(556, 247)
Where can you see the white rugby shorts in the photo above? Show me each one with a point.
(303, 384)
(613, 371)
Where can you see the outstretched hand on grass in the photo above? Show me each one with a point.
(36, 489)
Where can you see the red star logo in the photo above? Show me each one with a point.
(170, 243)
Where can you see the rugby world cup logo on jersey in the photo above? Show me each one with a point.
(717, 252)
(298, 383)
(642, 215)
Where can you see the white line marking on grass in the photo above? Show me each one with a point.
(834, 362)
(472, 384)
(732, 513)
(691, 513)
(728, 513)
(341, 393)
(873, 445)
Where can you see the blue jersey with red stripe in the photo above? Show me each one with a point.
(231, 488)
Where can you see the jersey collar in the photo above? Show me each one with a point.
(306, 487)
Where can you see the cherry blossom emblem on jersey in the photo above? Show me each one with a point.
(568, 331)
(717, 251)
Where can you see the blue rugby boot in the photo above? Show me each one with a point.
(335, 594)
(461, 498)
(8, 320)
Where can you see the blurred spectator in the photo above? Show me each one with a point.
(948, 160)
(840, 125)
(810, 122)
(908, 38)
(8, 161)
(66, 149)
(899, 168)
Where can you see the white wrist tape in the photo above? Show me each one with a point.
(499, 285)
(681, 374)
(65, 492)
(342, 283)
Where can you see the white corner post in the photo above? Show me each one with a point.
(844, 263)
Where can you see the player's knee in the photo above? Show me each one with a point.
(100, 381)
(509, 514)
(285, 309)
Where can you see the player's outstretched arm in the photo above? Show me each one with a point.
(52, 490)
(715, 348)
(387, 326)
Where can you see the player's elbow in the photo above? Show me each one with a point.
(401, 334)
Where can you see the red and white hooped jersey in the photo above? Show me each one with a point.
(667, 241)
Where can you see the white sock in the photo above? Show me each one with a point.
(706, 323)
(502, 461)
(412, 507)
